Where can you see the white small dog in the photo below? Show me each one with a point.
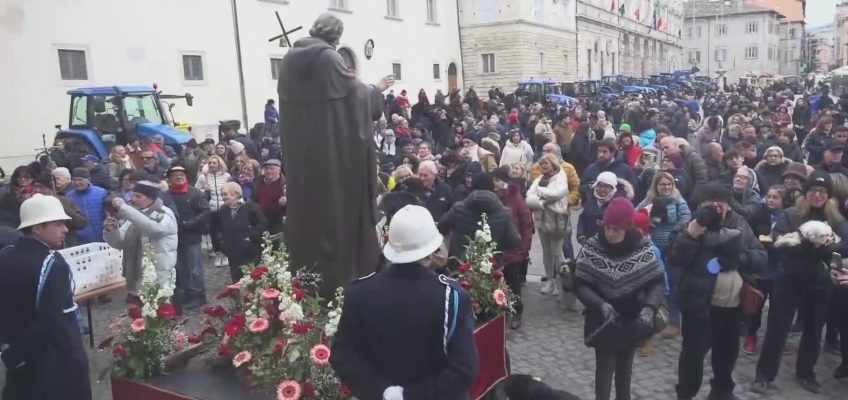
(817, 232)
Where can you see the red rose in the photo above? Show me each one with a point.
(465, 284)
(120, 352)
(134, 312)
(224, 349)
(297, 283)
(464, 267)
(497, 275)
(271, 309)
(258, 272)
(346, 391)
(302, 328)
(298, 294)
(166, 311)
(280, 345)
(195, 339)
(229, 291)
(308, 389)
(493, 261)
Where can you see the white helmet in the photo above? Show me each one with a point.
(412, 236)
(39, 209)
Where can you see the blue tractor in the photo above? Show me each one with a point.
(621, 84)
(102, 117)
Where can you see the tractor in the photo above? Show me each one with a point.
(102, 117)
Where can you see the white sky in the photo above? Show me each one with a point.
(820, 12)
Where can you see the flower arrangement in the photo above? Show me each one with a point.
(149, 332)
(477, 274)
(276, 329)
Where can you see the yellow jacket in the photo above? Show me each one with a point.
(573, 181)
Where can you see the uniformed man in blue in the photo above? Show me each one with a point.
(40, 333)
(407, 333)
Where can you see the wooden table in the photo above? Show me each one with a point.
(88, 297)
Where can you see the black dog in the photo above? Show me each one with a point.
(526, 387)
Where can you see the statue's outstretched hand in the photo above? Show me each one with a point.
(385, 83)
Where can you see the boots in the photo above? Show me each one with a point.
(515, 322)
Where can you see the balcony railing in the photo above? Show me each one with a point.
(604, 16)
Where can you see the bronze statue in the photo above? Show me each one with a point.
(326, 126)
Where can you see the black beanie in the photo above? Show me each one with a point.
(819, 179)
(147, 190)
(482, 182)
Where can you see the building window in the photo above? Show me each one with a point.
(193, 67)
(432, 12)
(791, 55)
(752, 52)
(721, 29)
(792, 33)
(541, 62)
(700, 31)
(695, 56)
(770, 53)
(339, 4)
(396, 71)
(276, 63)
(437, 72)
(720, 55)
(72, 65)
(392, 9)
(565, 59)
(771, 27)
(488, 63)
(689, 32)
(753, 27)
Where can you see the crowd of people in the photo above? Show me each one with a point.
(680, 197)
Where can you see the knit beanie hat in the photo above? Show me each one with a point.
(607, 178)
(513, 117)
(236, 147)
(619, 213)
(711, 191)
(642, 221)
(80, 172)
(472, 136)
(501, 173)
(819, 179)
(147, 190)
(625, 127)
(482, 182)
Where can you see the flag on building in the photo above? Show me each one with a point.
(638, 12)
(621, 11)
(612, 6)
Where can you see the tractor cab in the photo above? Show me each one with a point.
(657, 82)
(102, 117)
(537, 89)
(622, 84)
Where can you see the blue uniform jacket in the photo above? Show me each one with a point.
(408, 327)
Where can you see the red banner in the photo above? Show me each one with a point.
(491, 354)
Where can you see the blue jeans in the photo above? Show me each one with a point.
(190, 270)
(671, 300)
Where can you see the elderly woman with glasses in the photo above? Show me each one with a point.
(746, 201)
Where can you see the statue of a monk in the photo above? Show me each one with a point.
(326, 126)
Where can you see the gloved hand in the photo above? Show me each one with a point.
(393, 393)
(646, 318)
(608, 312)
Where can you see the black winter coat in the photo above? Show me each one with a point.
(439, 200)
(806, 264)
(241, 238)
(462, 219)
(696, 284)
(193, 215)
(581, 153)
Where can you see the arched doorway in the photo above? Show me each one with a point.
(452, 77)
(349, 58)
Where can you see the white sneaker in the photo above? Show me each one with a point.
(547, 287)
(555, 292)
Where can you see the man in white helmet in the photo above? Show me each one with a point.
(418, 345)
(40, 330)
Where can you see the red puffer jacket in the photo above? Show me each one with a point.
(523, 221)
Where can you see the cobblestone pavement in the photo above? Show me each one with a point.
(550, 346)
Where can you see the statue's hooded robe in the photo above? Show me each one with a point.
(326, 126)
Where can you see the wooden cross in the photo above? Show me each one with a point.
(284, 37)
